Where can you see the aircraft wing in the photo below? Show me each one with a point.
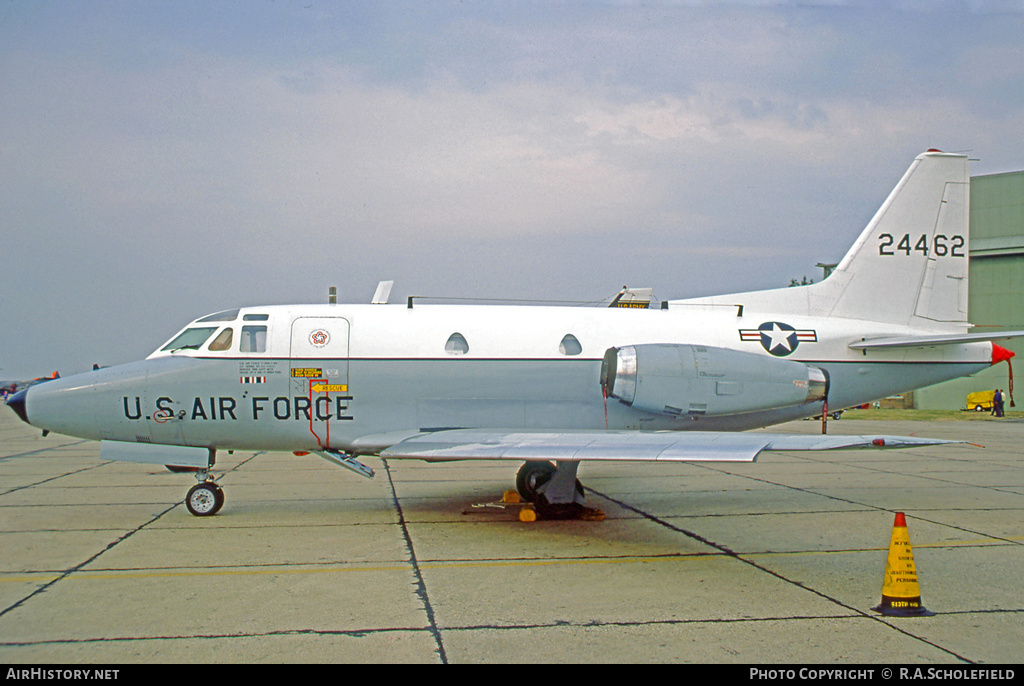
(933, 340)
(663, 446)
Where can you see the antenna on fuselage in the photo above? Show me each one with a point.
(383, 291)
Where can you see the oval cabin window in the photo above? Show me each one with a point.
(456, 345)
(570, 345)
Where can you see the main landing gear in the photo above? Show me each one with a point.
(555, 491)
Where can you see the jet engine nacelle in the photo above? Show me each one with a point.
(699, 380)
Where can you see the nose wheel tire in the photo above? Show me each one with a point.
(205, 499)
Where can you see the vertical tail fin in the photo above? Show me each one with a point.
(909, 265)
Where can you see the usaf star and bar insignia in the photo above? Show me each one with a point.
(777, 338)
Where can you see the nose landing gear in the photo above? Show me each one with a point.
(205, 498)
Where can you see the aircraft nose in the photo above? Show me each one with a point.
(17, 403)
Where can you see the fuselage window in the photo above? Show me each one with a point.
(255, 317)
(222, 342)
(254, 339)
(190, 339)
(456, 345)
(570, 345)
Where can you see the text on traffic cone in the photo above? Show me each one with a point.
(901, 594)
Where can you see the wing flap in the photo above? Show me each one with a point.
(647, 446)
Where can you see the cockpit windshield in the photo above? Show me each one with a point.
(190, 339)
(224, 334)
(222, 342)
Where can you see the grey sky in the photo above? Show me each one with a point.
(168, 159)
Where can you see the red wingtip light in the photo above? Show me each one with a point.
(1000, 354)
(879, 442)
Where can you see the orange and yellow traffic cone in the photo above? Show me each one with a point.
(901, 595)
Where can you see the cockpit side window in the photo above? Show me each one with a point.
(190, 339)
(254, 339)
(222, 342)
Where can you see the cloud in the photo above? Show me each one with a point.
(180, 165)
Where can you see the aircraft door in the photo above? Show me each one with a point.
(319, 373)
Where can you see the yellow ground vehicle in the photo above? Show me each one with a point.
(980, 401)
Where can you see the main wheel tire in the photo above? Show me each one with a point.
(205, 499)
(531, 476)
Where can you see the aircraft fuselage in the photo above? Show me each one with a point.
(337, 376)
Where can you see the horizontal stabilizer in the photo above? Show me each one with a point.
(933, 340)
(653, 446)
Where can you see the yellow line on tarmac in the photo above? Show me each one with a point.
(987, 542)
(249, 571)
(454, 564)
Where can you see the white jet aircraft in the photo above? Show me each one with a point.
(553, 386)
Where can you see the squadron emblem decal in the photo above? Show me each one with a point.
(319, 338)
(777, 338)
